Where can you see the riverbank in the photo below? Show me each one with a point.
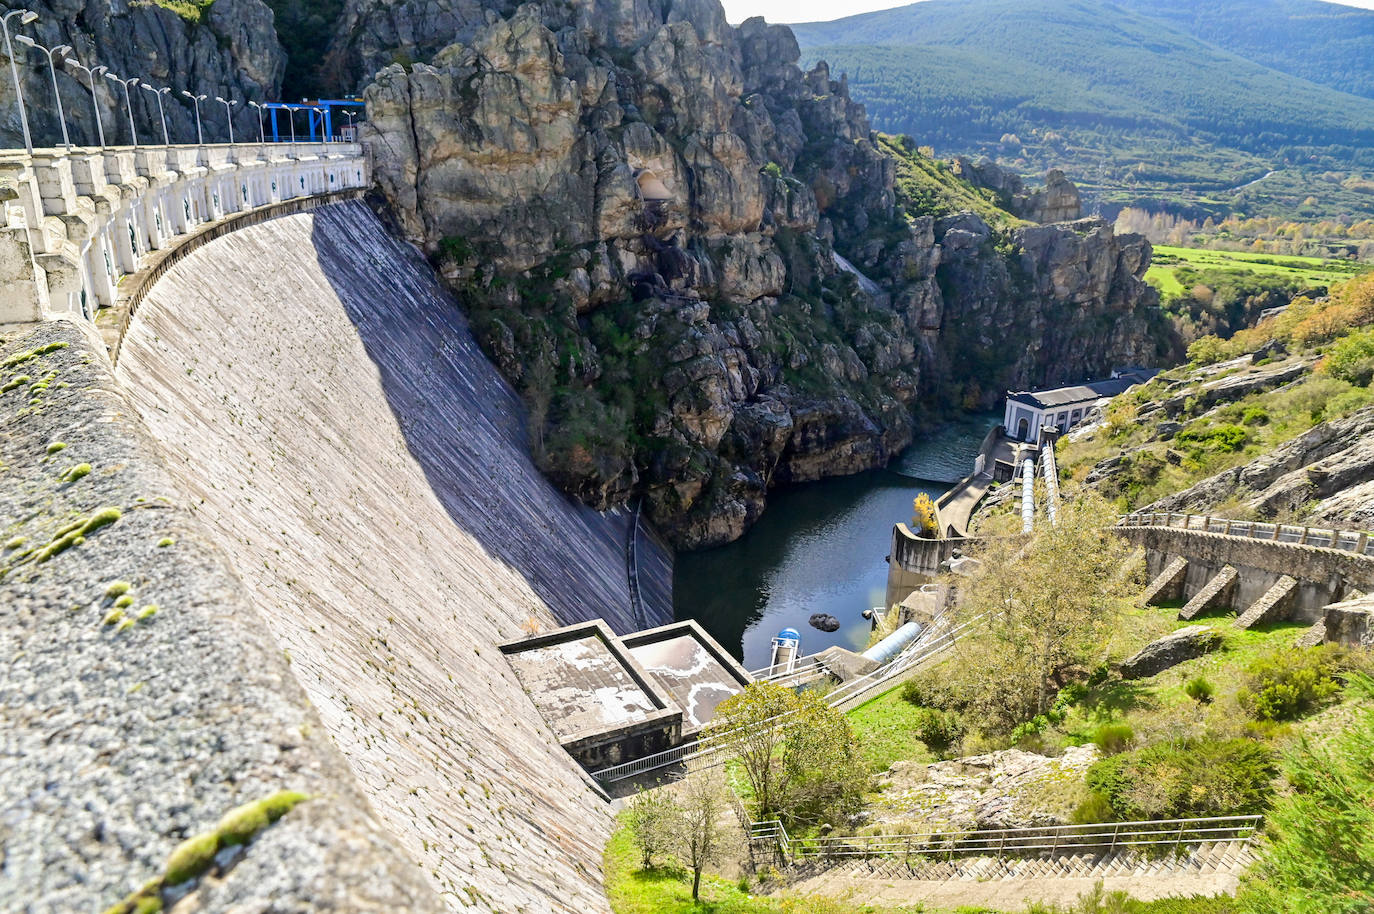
(819, 548)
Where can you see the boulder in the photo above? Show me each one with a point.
(824, 622)
(1171, 650)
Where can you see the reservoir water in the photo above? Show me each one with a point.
(819, 548)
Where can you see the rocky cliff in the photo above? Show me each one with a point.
(227, 48)
(695, 262)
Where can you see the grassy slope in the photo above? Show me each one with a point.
(1314, 271)
(1139, 109)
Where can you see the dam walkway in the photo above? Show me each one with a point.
(79, 223)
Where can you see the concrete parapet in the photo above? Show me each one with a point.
(1323, 575)
(113, 207)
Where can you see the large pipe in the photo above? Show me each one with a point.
(894, 643)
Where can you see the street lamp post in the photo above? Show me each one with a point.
(128, 103)
(161, 113)
(228, 115)
(91, 74)
(262, 134)
(324, 137)
(349, 115)
(291, 116)
(53, 54)
(196, 100)
(25, 17)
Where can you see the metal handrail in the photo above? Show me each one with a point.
(1359, 542)
(918, 652)
(1010, 842)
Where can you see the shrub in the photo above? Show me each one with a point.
(924, 518)
(1254, 415)
(1096, 808)
(1199, 690)
(1113, 738)
(1352, 358)
(937, 729)
(1203, 777)
(1287, 684)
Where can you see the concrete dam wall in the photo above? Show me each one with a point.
(329, 418)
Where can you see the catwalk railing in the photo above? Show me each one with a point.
(1355, 541)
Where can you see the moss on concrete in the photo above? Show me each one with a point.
(193, 857)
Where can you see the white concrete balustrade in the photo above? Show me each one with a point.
(75, 223)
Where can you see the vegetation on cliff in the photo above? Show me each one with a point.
(1140, 103)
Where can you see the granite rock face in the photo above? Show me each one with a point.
(1326, 475)
(641, 208)
(1170, 650)
(129, 730)
(1006, 789)
(1057, 201)
(232, 51)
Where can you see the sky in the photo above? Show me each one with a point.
(819, 10)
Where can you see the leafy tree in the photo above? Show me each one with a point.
(798, 753)
(1319, 854)
(923, 518)
(650, 818)
(1051, 601)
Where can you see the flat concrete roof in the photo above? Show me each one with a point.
(585, 684)
(690, 666)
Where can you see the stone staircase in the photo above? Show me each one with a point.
(1274, 605)
(1216, 592)
(1204, 859)
(1168, 584)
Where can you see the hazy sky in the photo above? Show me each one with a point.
(816, 10)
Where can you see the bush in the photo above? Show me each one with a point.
(937, 729)
(1254, 415)
(1352, 358)
(1199, 690)
(1113, 738)
(1204, 777)
(1096, 808)
(1286, 684)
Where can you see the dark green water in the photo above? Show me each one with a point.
(818, 548)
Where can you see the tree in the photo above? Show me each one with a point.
(697, 832)
(650, 819)
(923, 518)
(797, 752)
(1050, 602)
(1319, 854)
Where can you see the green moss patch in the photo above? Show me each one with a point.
(72, 474)
(193, 857)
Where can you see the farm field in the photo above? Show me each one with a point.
(1311, 271)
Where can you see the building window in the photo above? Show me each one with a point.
(1077, 414)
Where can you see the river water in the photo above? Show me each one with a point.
(819, 548)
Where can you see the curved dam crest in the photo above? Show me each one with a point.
(331, 420)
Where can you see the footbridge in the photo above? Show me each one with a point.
(1265, 572)
(78, 224)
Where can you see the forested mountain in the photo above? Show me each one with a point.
(1126, 97)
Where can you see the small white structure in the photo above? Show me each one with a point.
(1029, 413)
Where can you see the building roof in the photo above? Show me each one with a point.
(1073, 395)
(690, 666)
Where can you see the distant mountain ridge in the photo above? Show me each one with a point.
(1132, 97)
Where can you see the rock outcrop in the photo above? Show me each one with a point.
(1174, 648)
(229, 49)
(1007, 789)
(1057, 201)
(1325, 475)
(640, 208)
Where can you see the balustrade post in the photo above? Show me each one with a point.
(1226, 528)
(1277, 528)
(1363, 543)
(1302, 541)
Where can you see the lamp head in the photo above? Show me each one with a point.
(62, 50)
(25, 40)
(28, 17)
(187, 94)
(99, 71)
(115, 77)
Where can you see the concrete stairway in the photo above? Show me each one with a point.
(1273, 606)
(1168, 584)
(1206, 858)
(1216, 592)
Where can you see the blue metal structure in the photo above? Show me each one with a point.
(319, 116)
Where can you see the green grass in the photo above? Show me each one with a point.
(1312, 271)
(883, 728)
(669, 891)
(190, 10)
